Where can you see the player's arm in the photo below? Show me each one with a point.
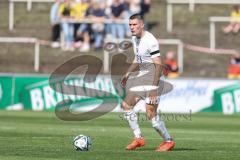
(158, 67)
(158, 70)
(131, 69)
(156, 59)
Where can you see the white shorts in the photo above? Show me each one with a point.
(142, 85)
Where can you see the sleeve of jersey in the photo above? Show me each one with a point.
(154, 48)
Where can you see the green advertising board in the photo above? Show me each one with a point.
(35, 93)
(40, 96)
(6, 91)
(227, 99)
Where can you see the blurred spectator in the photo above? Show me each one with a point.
(54, 18)
(135, 6)
(127, 14)
(234, 25)
(80, 7)
(108, 4)
(117, 13)
(234, 67)
(171, 64)
(145, 7)
(66, 11)
(96, 13)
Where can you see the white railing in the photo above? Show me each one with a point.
(29, 7)
(192, 3)
(106, 57)
(175, 42)
(26, 40)
(212, 27)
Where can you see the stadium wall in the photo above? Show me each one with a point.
(33, 92)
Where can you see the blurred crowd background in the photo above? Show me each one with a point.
(66, 15)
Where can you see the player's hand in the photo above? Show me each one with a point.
(153, 96)
(124, 80)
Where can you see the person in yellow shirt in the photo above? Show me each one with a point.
(66, 12)
(80, 7)
(234, 25)
(66, 9)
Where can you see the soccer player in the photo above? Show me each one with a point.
(147, 59)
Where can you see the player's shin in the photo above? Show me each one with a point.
(160, 127)
(132, 119)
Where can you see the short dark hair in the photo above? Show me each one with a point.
(137, 16)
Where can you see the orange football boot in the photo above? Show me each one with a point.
(165, 146)
(137, 142)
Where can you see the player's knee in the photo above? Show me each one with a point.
(150, 113)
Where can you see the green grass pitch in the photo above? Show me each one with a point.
(41, 136)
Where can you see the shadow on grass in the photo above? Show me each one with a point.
(183, 149)
(174, 150)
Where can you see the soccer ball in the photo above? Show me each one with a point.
(82, 143)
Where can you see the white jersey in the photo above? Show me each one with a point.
(145, 48)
